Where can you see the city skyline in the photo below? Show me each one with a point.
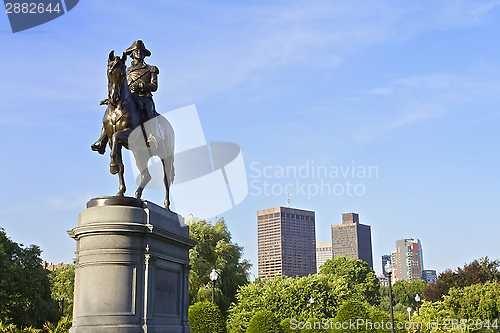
(408, 91)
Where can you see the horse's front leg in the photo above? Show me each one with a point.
(114, 167)
(122, 189)
(118, 140)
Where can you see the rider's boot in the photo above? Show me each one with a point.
(100, 145)
(151, 139)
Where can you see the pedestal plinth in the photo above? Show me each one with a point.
(132, 268)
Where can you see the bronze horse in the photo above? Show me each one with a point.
(124, 126)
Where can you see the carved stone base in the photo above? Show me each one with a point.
(132, 268)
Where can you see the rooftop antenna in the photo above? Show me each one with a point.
(287, 197)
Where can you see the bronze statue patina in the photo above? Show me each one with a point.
(131, 120)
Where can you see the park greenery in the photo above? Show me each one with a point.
(34, 300)
(215, 250)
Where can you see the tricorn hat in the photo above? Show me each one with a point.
(138, 44)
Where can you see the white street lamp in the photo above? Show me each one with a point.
(311, 300)
(417, 299)
(213, 278)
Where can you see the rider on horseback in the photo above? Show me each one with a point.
(142, 81)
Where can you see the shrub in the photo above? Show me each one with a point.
(313, 325)
(349, 312)
(264, 322)
(205, 317)
(62, 326)
(11, 328)
(285, 326)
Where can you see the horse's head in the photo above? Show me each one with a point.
(116, 76)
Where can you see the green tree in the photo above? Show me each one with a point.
(352, 311)
(478, 271)
(479, 301)
(215, 250)
(404, 292)
(205, 317)
(62, 286)
(360, 278)
(24, 285)
(288, 298)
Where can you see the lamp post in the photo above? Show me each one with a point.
(417, 299)
(409, 313)
(311, 300)
(213, 277)
(388, 270)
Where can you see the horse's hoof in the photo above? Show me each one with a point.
(114, 169)
(98, 147)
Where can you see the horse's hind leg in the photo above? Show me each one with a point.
(141, 160)
(167, 169)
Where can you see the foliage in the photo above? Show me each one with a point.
(403, 296)
(288, 298)
(479, 301)
(62, 286)
(476, 272)
(24, 285)
(313, 325)
(432, 315)
(264, 321)
(205, 317)
(11, 328)
(360, 278)
(351, 311)
(215, 251)
(404, 292)
(286, 326)
(62, 326)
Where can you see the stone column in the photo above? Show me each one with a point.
(132, 268)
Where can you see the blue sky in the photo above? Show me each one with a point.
(410, 88)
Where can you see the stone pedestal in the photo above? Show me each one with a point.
(132, 268)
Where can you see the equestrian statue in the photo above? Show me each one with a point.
(131, 120)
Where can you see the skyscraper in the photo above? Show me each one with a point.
(286, 242)
(385, 259)
(352, 239)
(408, 260)
(323, 253)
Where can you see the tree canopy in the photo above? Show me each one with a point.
(478, 271)
(62, 286)
(215, 250)
(24, 285)
(360, 278)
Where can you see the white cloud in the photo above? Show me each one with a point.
(420, 98)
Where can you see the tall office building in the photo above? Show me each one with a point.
(286, 242)
(385, 259)
(352, 239)
(323, 253)
(408, 260)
